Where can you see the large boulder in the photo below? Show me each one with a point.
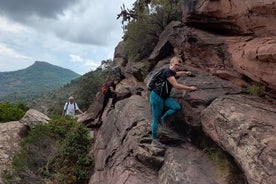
(245, 128)
(9, 144)
(255, 58)
(34, 117)
(127, 87)
(209, 88)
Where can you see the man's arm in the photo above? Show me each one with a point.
(64, 109)
(182, 73)
(112, 90)
(80, 111)
(177, 85)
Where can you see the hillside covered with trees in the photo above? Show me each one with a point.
(29, 83)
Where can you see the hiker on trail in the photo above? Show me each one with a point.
(160, 99)
(71, 107)
(109, 93)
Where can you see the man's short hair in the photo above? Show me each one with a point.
(176, 58)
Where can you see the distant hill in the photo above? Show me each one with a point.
(84, 89)
(29, 83)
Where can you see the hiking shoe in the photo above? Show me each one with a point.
(157, 144)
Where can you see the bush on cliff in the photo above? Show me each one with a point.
(145, 22)
(56, 152)
(256, 90)
(12, 112)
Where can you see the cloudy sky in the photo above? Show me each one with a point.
(74, 34)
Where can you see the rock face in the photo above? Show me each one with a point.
(123, 153)
(253, 54)
(131, 87)
(9, 140)
(243, 126)
(233, 17)
(114, 161)
(227, 45)
(231, 39)
(245, 129)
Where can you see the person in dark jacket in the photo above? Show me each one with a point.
(160, 99)
(110, 93)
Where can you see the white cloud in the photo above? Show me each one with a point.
(72, 34)
(11, 27)
(10, 53)
(92, 64)
(11, 60)
(75, 58)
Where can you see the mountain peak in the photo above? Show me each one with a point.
(41, 62)
(35, 80)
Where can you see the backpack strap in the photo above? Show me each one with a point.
(67, 103)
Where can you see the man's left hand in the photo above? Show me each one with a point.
(188, 73)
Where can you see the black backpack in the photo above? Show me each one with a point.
(155, 80)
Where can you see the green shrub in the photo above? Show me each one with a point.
(148, 20)
(218, 157)
(225, 165)
(12, 112)
(56, 152)
(256, 90)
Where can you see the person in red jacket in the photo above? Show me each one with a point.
(110, 93)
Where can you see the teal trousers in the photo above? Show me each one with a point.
(159, 105)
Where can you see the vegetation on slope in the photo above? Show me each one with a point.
(57, 152)
(145, 22)
(12, 112)
(84, 89)
(27, 84)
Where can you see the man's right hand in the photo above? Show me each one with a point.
(193, 88)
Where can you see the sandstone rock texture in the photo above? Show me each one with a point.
(9, 140)
(231, 39)
(247, 29)
(34, 117)
(245, 128)
(123, 153)
(228, 45)
(131, 86)
(11, 134)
